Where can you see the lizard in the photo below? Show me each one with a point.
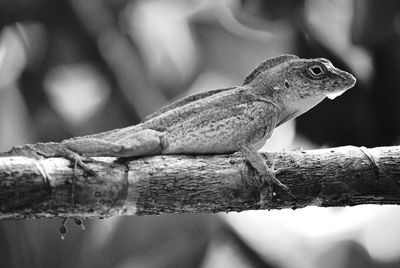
(228, 120)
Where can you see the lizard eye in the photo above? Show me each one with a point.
(316, 70)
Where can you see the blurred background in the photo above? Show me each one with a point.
(76, 67)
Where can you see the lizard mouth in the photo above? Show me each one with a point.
(336, 94)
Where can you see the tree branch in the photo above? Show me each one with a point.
(343, 176)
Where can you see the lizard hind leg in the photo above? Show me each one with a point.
(69, 154)
(140, 143)
(77, 160)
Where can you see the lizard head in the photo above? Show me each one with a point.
(315, 77)
(299, 84)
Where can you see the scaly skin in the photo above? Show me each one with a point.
(218, 121)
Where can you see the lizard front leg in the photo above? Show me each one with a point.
(268, 175)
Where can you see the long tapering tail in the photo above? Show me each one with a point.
(32, 150)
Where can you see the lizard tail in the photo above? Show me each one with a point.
(32, 150)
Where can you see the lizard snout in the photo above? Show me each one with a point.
(347, 79)
(342, 82)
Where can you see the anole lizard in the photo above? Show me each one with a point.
(217, 121)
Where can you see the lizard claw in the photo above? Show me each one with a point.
(269, 181)
(277, 182)
(72, 156)
(275, 171)
(78, 161)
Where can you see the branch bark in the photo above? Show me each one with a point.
(342, 176)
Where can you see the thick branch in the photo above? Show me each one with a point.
(343, 176)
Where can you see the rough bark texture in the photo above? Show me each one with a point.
(343, 176)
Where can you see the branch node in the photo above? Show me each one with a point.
(371, 158)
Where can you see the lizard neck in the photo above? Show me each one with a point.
(283, 114)
(290, 103)
(293, 107)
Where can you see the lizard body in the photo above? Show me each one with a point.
(217, 121)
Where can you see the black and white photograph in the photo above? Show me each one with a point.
(200, 133)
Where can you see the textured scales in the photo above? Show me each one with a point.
(217, 121)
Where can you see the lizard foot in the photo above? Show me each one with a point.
(63, 228)
(269, 180)
(77, 159)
